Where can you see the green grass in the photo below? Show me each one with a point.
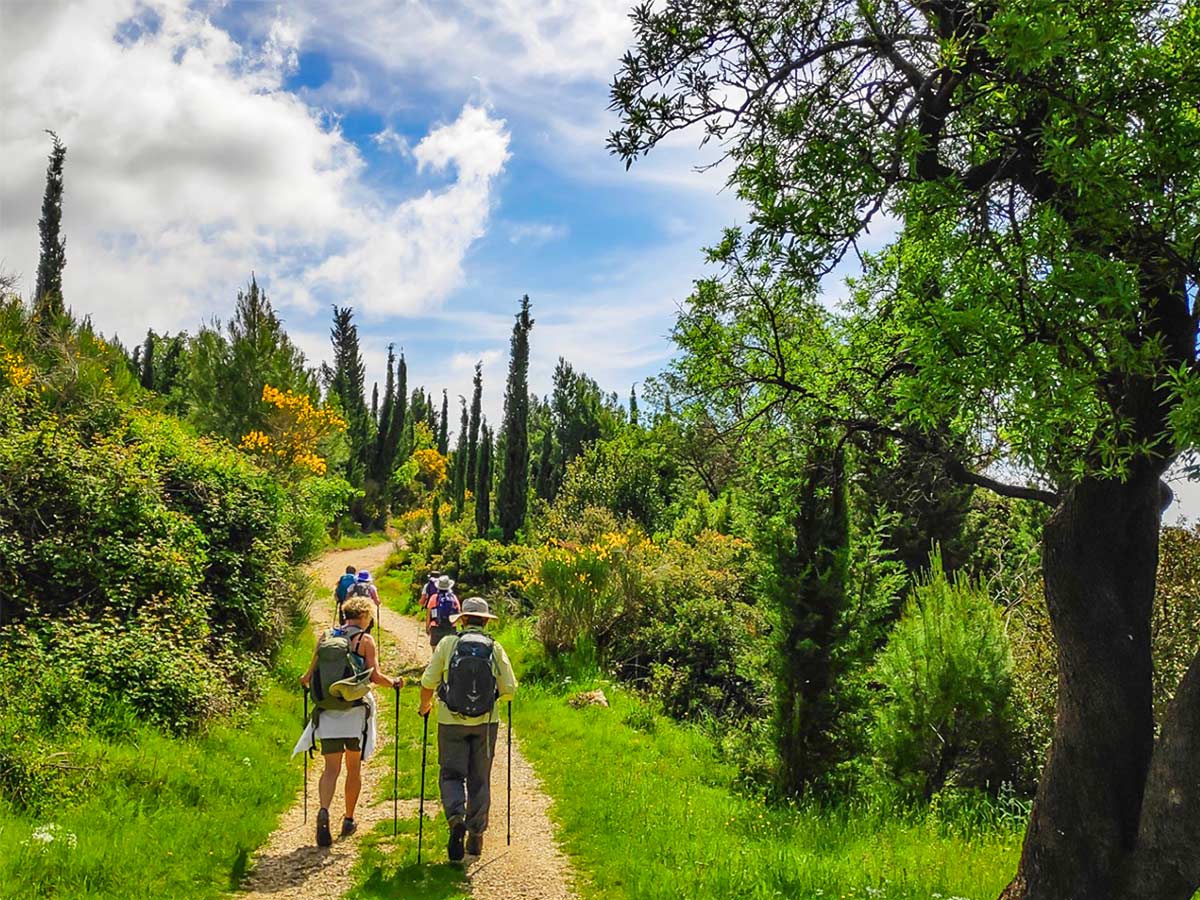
(646, 809)
(356, 540)
(164, 817)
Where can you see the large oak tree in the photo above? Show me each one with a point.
(1042, 161)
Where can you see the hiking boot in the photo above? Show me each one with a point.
(475, 844)
(349, 826)
(324, 838)
(454, 849)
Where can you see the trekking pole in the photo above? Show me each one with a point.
(421, 804)
(508, 805)
(306, 754)
(395, 761)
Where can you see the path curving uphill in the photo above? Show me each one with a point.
(290, 865)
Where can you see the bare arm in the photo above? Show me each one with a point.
(366, 649)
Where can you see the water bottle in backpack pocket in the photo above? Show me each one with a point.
(470, 686)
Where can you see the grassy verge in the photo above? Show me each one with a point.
(646, 809)
(356, 540)
(162, 816)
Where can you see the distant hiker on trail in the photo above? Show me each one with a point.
(429, 590)
(343, 668)
(469, 672)
(342, 591)
(363, 586)
(441, 608)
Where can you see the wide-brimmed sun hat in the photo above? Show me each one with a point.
(476, 607)
(364, 575)
(444, 583)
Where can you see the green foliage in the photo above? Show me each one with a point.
(627, 475)
(676, 794)
(227, 368)
(946, 715)
(512, 493)
(133, 812)
(47, 292)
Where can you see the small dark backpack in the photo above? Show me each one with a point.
(359, 589)
(470, 687)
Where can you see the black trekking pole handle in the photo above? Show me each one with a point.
(508, 810)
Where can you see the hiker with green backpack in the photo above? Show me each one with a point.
(469, 673)
(344, 666)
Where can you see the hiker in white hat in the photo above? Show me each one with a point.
(442, 606)
(470, 674)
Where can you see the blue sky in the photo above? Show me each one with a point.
(426, 163)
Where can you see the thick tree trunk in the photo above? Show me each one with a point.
(1099, 828)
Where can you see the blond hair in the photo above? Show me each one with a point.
(359, 608)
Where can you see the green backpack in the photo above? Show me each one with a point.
(341, 679)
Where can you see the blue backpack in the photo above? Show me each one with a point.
(343, 586)
(447, 606)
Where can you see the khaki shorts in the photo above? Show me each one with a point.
(340, 745)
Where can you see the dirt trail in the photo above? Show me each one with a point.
(290, 865)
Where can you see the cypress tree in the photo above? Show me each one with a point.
(443, 432)
(348, 385)
(396, 432)
(633, 409)
(47, 294)
(460, 463)
(483, 483)
(431, 414)
(375, 404)
(382, 461)
(147, 373)
(473, 434)
(511, 497)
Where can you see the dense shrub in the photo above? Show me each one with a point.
(945, 715)
(171, 556)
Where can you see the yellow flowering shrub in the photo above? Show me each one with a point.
(16, 371)
(431, 467)
(295, 427)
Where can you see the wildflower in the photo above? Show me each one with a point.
(45, 835)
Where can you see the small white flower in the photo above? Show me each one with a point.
(47, 834)
(246, 761)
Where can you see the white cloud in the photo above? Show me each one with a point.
(188, 165)
(389, 139)
(535, 233)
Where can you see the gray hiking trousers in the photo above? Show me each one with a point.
(465, 754)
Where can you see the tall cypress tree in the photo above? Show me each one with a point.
(47, 294)
(483, 483)
(382, 461)
(147, 373)
(375, 404)
(444, 431)
(460, 463)
(473, 434)
(633, 409)
(396, 432)
(511, 497)
(431, 414)
(348, 384)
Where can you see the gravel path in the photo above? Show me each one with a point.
(290, 865)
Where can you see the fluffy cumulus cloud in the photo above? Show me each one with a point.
(189, 164)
